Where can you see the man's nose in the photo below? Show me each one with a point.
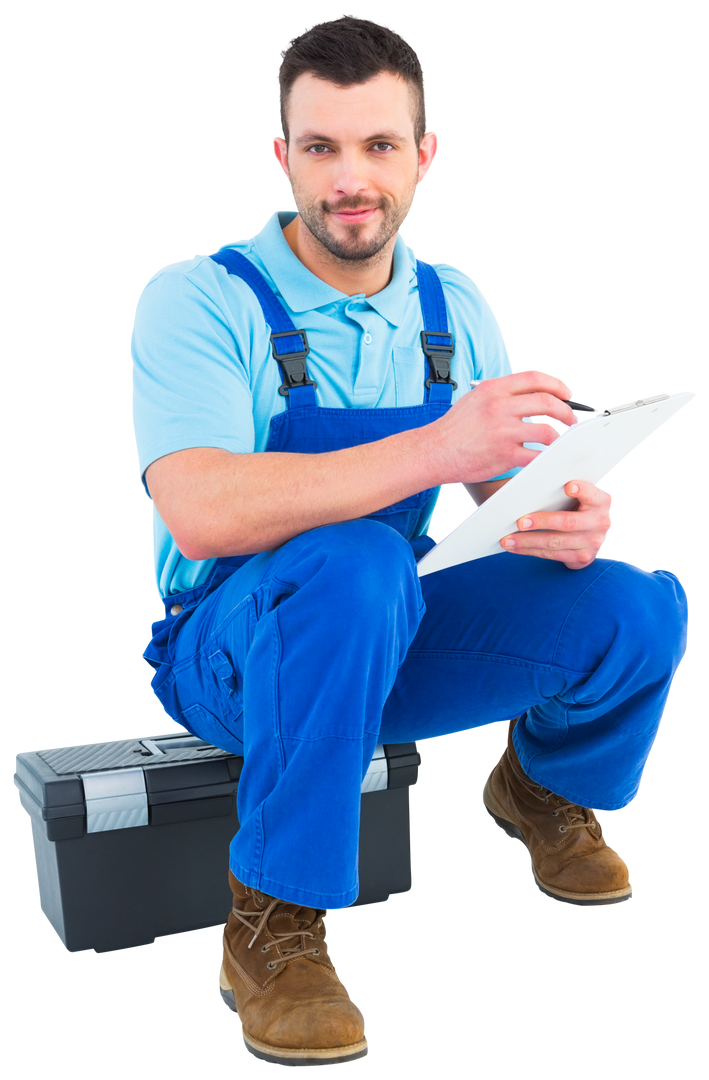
(351, 176)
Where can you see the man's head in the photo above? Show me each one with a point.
(349, 52)
(354, 124)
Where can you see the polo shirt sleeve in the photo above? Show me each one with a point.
(191, 386)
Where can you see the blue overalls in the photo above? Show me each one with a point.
(304, 658)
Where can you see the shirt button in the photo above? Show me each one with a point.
(367, 339)
(176, 609)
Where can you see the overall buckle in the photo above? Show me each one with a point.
(292, 364)
(439, 357)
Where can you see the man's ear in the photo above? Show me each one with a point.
(427, 152)
(279, 153)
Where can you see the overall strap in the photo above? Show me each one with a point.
(436, 342)
(289, 346)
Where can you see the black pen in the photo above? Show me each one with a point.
(580, 408)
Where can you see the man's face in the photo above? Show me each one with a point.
(352, 161)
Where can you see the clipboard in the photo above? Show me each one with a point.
(585, 451)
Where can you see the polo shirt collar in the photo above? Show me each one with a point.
(303, 291)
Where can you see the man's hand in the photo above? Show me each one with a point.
(573, 537)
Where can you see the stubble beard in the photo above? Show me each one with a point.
(356, 247)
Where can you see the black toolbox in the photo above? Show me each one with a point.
(132, 838)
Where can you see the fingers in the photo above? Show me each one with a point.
(573, 537)
(575, 551)
(575, 488)
(543, 405)
(551, 543)
(566, 521)
(587, 494)
(527, 380)
(523, 395)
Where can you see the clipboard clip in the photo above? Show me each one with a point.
(636, 404)
(585, 409)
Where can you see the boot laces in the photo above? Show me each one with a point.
(261, 923)
(577, 817)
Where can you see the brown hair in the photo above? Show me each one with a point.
(349, 52)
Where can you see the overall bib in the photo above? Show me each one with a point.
(304, 658)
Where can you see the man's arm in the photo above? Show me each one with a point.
(216, 503)
(480, 493)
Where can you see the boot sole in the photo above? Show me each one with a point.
(582, 899)
(280, 1055)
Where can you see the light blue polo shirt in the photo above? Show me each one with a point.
(204, 374)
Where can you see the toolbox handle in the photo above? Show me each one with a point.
(157, 747)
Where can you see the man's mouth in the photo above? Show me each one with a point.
(355, 217)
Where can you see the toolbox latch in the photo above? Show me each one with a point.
(115, 799)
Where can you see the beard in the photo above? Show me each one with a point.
(357, 246)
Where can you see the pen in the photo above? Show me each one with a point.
(572, 404)
(580, 408)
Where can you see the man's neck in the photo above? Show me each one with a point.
(350, 276)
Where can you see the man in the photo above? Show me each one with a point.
(288, 404)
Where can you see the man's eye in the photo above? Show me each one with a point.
(319, 146)
(382, 146)
(317, 149)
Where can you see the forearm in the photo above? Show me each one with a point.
(482, 492)
(216, 503)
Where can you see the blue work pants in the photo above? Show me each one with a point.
(310, 655)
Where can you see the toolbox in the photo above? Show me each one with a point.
(132, 838)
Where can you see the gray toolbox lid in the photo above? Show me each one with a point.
(119, 785)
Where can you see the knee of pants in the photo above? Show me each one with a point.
(631, 613)
(368, 563)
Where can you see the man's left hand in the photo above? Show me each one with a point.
(573, 537)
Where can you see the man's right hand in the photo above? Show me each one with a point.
(484, 433)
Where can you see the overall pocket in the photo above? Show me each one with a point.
(205, 725)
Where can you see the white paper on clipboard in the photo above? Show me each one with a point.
(585, 451)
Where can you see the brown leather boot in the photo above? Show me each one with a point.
(570, 858)
(278, 977)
